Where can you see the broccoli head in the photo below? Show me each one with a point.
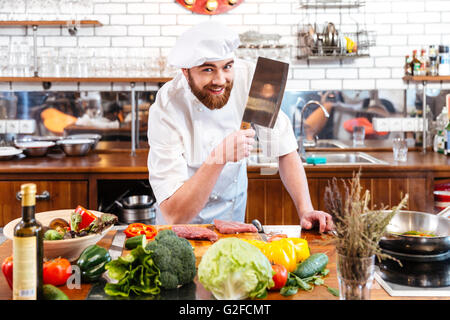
(174, 257)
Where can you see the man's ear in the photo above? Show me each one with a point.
(185, 72)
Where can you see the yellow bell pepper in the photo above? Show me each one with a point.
(287, 252)
(282, 252)
(301, 249)
(257, 243)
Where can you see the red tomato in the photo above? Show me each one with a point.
(57, 271)
(280, 277)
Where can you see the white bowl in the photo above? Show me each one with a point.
(7, 153)
(66, 248)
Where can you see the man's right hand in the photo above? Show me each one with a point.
(234, 147)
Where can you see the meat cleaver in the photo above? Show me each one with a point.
(266, 93)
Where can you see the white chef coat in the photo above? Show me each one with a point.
(182, 132)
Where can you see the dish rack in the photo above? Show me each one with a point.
(345, 38)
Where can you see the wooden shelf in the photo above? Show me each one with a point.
(93, 79)
(426, 78)
(53, 23)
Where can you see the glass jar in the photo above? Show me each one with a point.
(355, 276)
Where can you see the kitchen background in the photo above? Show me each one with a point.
(152, 26)
(136, 36)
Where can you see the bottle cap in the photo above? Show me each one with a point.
(28, 188)
(28, 192)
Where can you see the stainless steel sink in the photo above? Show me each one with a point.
(325, 143)
(332, 158)
(345, 158)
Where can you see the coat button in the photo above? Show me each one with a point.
(213, 196)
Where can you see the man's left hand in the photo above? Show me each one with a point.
(325, 220)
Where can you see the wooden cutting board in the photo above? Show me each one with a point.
(200, 246)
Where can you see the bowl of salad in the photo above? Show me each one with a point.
(68, 232)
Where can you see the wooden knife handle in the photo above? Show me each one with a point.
(245, 125)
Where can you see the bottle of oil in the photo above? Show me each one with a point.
(28, 249)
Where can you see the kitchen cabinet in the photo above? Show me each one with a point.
(269, 201)
(62, 194)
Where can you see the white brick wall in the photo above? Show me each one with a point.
(400, 25)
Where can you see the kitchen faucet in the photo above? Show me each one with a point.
(302, 141)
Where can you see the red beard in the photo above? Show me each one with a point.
(211, 101)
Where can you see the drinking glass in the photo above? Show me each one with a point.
(400, 149)
(359, 133)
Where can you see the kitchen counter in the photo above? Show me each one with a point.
(316, 241)
(120, 160)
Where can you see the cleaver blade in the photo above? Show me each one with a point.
(266, 93)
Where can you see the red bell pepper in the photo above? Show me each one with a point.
(7, 269)
(86, 217)
(136, 229)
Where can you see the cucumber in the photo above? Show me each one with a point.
(136, 241)
(312, 265)
(53, 293)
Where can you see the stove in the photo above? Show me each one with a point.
(419, 275)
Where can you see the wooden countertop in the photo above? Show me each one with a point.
(316, 242)
(107, 160)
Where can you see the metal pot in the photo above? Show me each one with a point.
(404, 221)
(137, 202)
(138, 208)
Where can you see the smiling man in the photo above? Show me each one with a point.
(196, 162)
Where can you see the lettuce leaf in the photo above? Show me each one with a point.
(135, 274)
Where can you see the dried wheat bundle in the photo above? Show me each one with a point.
(358, 228)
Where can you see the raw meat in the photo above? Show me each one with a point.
(195, 233)
(227, 227)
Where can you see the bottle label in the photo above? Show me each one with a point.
(25, 268)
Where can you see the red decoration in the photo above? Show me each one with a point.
(209, 7)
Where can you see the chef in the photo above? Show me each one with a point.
(197, 158)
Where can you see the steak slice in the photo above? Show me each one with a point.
(228, 227)
(194, 233)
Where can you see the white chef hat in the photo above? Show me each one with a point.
(207, 41)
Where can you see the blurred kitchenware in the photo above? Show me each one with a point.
(137, 208)
(137, 202)
(37, 138)
(437, 225)
(7, 153)
(92, 136)
(76, 147)
(35, 148)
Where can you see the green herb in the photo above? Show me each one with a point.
(288, 291)
(333, 291)
(307, 284)
(324, 272)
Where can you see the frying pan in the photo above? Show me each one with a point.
(404, 221)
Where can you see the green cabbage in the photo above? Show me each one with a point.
(233, 269)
